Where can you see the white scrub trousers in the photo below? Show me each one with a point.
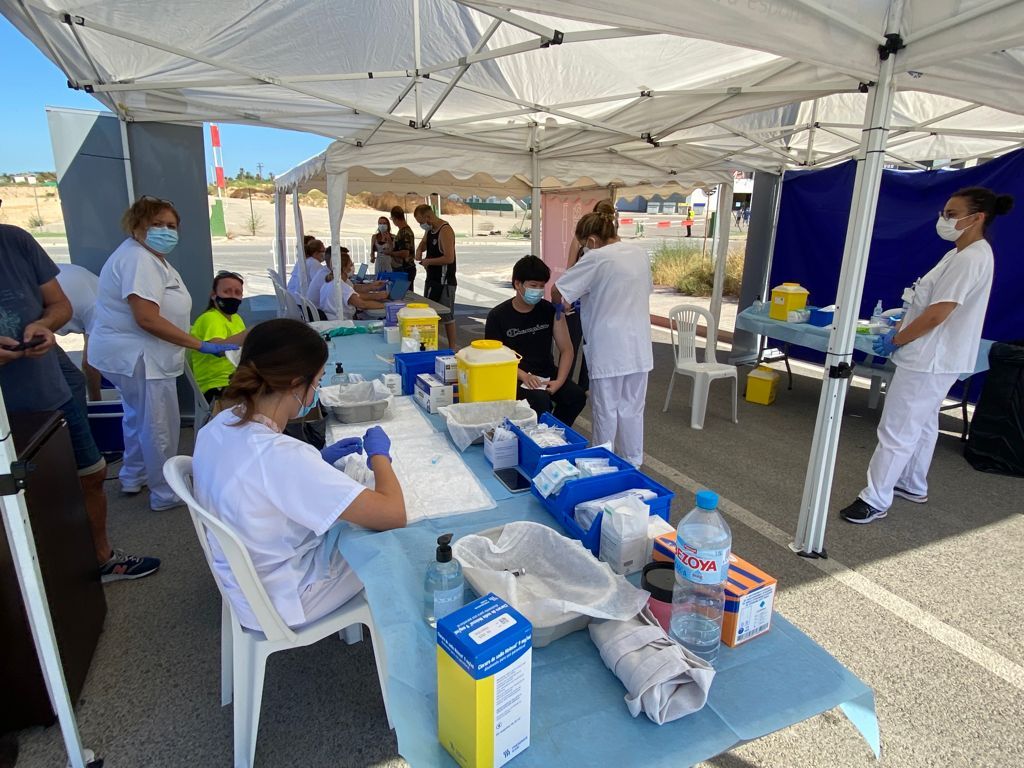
(617, 404)
(152, 424)
(907, 433)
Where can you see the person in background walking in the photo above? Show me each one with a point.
(138, 341)
(81, 287)
(612, 282)
(936, 341)
(404, 253)
(382, 244)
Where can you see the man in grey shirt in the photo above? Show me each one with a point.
(32, 307)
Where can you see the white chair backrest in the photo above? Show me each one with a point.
(291, 305)
(309, 309)
(683, 321)
(178, 472)
(275, 277)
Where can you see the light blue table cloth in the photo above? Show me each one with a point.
(579, 716)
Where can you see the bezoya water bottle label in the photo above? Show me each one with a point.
(701, 566)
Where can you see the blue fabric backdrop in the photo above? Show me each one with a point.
(812, 227)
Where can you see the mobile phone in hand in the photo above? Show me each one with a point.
(35, 341)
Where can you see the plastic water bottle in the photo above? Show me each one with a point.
(703, 543)
(877, 316)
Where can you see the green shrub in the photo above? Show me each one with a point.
(681, 265)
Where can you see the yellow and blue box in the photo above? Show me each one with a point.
(484, 657)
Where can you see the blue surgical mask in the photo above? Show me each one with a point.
(161, 239)
(532, 295)
(382, 228)
(305, 409)
(425, 227)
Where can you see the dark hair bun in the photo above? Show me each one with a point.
(1004, 204)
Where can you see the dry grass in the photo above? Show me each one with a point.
(681, 265)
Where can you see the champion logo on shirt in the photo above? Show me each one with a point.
(513, 332)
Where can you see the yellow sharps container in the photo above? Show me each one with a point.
(487, 371)
(785, 299)
(419, 321)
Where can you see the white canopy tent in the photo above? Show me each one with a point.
(684, 90)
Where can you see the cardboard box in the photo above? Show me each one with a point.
(484, 657)
(446, 369)
(431, 393)
(503, 454)
(749, 599)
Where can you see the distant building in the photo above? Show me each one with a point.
(26, 179)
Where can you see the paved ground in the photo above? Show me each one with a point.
(924, 606)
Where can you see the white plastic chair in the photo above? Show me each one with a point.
(244, 651)
(683, 320)
(312, 314)
(202, 410)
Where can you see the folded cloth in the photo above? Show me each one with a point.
(663, 680)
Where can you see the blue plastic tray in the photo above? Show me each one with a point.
(530, 453)
(409, 365)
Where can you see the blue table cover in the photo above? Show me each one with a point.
(578, 711)
(813, 337)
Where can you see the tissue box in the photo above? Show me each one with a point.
(749, 599)
(446, 369)
(391, 309)
(503, 454)
(431, 393)
(484, 657)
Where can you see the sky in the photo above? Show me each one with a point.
(38, 83)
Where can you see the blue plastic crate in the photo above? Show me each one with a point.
(562, 506)
(530, 453)
(105, 418)
(409, 365)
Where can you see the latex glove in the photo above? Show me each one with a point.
(213, 348)
(341, 449)
(377, 443)
(884, 344)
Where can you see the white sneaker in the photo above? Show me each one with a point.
(131, 490)
(914, 497)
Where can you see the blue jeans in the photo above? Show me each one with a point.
(76, 414)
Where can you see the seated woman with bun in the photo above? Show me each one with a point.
(281, 495)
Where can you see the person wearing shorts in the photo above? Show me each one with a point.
(42, 378)
(436, 252)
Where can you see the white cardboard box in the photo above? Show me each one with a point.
(432, 393)
(503, 454)
(446, 369)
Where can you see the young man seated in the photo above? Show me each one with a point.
(526, 323)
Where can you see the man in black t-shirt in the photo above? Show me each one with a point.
(527, 324)
(403, 256)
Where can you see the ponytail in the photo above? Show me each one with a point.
(984, 200)
(600, 225)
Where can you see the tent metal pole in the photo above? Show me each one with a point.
(126, 152)
(417, 57)
(810, 534)
(33, 592)
(300, 248)
(722, 250)
(535, 203)
(809, 156)
(281, 232)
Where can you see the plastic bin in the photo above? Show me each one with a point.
(105, 419)
(762, 384)
(409, 365)
(785, 299)
(530, 453)
(821, 318)
(419, 321)
(487, 371)
(562, 506)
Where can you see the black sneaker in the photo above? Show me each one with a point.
(124, 566)
(861, 512)
(903, 493)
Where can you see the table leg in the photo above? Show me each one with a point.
(785, 358)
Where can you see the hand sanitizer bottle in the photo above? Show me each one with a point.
(339, 376)
(443, 587)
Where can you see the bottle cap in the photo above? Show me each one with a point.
(339, 368)
(444, 549)
(707, 499)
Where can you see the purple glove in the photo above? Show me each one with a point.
(377, 443)
(884, 344)
(213, 348)
(341, 449)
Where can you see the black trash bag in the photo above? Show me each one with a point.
(312, 431)
(996, 440)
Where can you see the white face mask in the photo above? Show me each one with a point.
(946, 228)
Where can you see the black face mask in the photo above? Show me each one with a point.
(226, 305)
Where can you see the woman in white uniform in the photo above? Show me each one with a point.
(613, 285)
(936, 341)
(280, 495)
(138, 340)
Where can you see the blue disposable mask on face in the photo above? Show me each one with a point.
(305, 409)
(382, 228)
(532, 295)
(425, 227)
(161, 239)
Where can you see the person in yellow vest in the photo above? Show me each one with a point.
(220, 321)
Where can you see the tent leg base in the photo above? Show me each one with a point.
(822, 555)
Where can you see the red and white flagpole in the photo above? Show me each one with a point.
(218, 158)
